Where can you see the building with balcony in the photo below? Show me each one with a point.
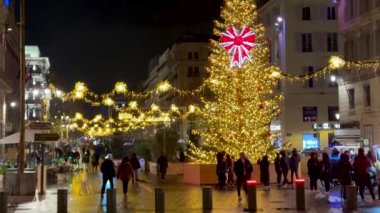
(37, 90)
(359, 102)
(302, 36)
(183, 65)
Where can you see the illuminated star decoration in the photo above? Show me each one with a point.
(238, 45)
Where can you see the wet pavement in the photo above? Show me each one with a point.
(183, 198)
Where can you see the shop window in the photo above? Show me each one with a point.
(310, 141)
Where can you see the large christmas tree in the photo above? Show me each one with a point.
(242, 81)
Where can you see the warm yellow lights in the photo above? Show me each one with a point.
(108, 102)
(120, 87)
(336, 62)
(174, 108)
(133, 104)
(80, 87)
(154, 107)
(164, 86)
(78, 116)
(191, 108)
(275, 74)
(79, 95)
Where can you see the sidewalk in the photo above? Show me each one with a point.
(186, 198)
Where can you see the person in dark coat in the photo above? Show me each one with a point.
(264, 171)
(125, 173)
(95, 163)
(162, 163)
(277, 167)
(325, 167)
(313, 170)
(221, 169)
(108, 171)
(243, 170)
(285, 165)
(362, 176)
(345, 169)
(135, 166)
(294, 162)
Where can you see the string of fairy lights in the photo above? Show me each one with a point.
(132, 116)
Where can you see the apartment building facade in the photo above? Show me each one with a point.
(359, 100)
(184, 66)
(303, 35)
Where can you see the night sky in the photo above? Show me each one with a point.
(101, 42)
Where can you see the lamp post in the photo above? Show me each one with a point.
(337, 125)
(21, 154)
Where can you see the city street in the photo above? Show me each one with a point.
(187, 198)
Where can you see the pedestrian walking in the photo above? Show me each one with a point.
(230, 171)
(285, 165)
(162, 163)
(86, 159)
(221, 169)
(95, 163)
(135, 166)
(243, 170)
(313, 170)
(344, 173)
(125, 173)
(362, 177)
(294, 163)
(264, 171)
(108, 171)
(325, 167)
(277, 167)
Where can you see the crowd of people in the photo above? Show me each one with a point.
(360, 171)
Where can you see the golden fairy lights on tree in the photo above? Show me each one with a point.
(242, 81)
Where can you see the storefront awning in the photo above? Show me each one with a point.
(15, 138)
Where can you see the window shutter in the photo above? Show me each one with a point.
(298, 11)
(298, 42)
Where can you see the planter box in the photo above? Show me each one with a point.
(200, 174)
(61, 178)
(173, 168)
(272, 174)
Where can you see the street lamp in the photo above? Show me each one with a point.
(13, 104)
(337, 125)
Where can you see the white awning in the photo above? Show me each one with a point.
(15, 138)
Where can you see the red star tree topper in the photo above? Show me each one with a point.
(238, 44)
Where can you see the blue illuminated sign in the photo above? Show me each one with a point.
(7, 3)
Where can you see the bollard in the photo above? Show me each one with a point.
(300, 194)
(159, 200)
(62, 201)
(207, 198)
(111, 200)
(3, 201)
(251, 190)
(351, 193)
